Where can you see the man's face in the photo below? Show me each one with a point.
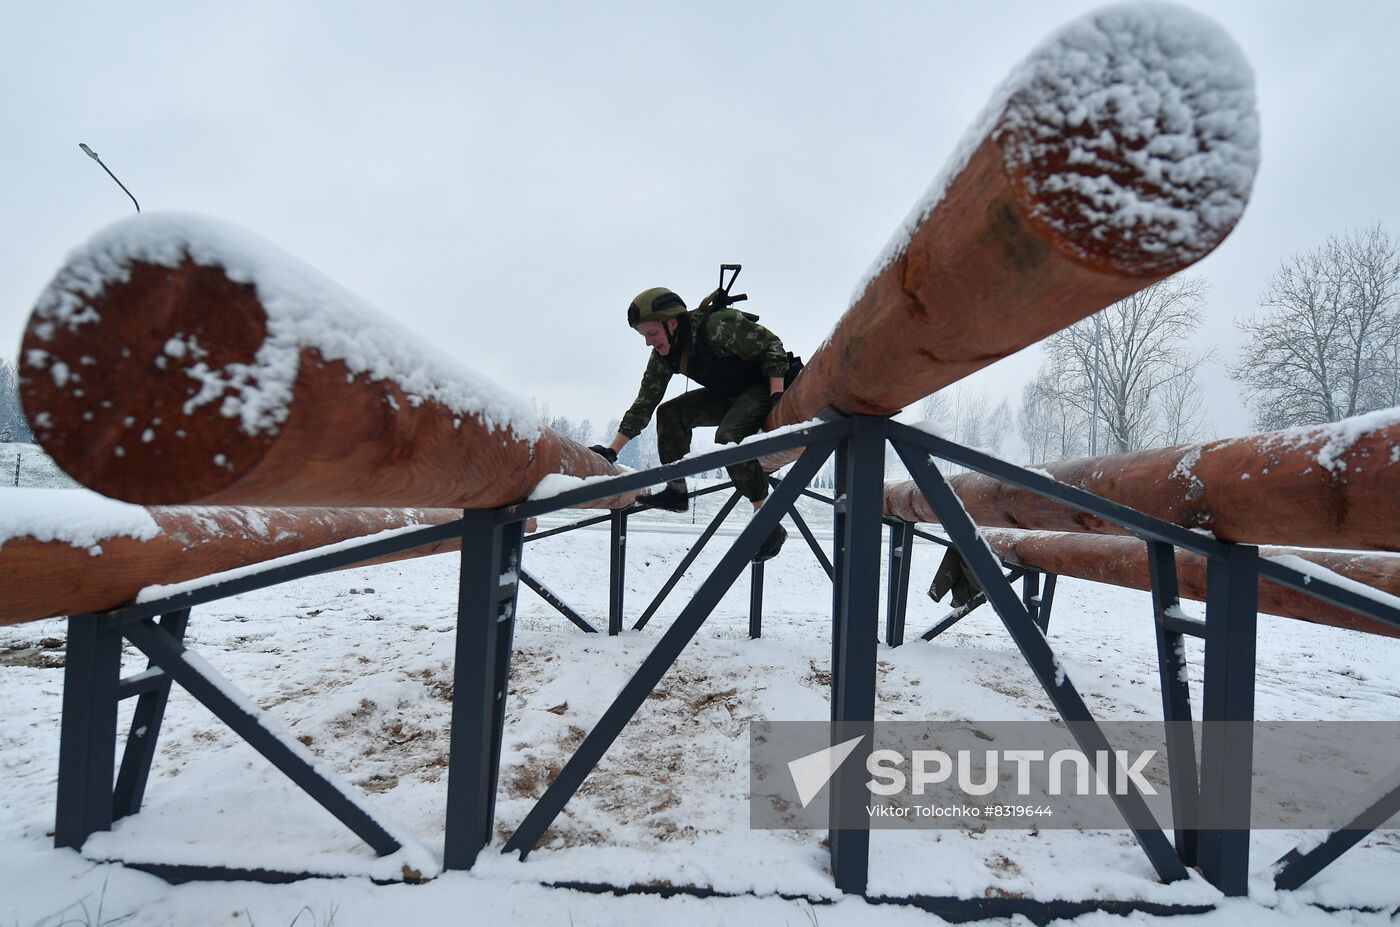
(655, 335)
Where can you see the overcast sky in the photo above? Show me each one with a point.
(504, 178)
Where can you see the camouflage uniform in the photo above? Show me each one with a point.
(739, 412)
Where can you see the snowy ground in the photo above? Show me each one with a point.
(357, 665)
(28, 465)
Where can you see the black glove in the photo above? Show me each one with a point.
(606, 453)
(774, 399)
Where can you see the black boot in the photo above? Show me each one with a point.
(770, 547)
(674, 498)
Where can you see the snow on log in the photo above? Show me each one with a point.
(1330, 485)
(177, 360)
(1123, 562)
(68, 551)
(1122, 150)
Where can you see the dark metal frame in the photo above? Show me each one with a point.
(1229, 631)
(491, 572)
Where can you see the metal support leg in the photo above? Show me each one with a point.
(857, 628)
(1176, 700)
(756, 601)
(839, 507)
(1030, 594)
(1047, 599)
(481, 675)
(617, 568)
(140, 748)
(1227, 737)
(88, 737)
(897, 594)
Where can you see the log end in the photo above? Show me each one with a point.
(1132, 138)
(117, 379)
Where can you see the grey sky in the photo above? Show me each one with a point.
(503, 178)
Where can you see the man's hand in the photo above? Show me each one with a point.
(606, 453)
(774, 399)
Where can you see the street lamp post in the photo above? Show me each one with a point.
(92, 154)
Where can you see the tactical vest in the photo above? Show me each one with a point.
(728, 376)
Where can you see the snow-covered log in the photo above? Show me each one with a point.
(179, 360)
(1328, 486)
(175, 360)
(69, 551)
(1122, 150)
(1123, 562)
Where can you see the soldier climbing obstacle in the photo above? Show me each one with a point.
(742, 369)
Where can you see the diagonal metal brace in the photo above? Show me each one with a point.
(259, 731)
(558, 604)
(688, 559)
(1030, 640)
(1298, 866)
(664, 655)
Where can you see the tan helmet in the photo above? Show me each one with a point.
(655, 305)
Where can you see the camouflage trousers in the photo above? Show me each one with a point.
(737, 417)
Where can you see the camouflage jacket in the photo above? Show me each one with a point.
(730, 334)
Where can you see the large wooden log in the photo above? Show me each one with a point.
(177, 360)
(43, 578)
(172, 361)
(1331, 486)
(1122, 150)
(1123, 562)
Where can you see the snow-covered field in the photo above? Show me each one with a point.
(28, 465)
(358, 666)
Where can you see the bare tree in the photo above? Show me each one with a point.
(1052, 427)
(13, 426)
(966, 417)
(580, 430)
(1387, 379)
(997, 426)
(646, 447)
(1181, 411)
(1325, 347)
(936, 408)
(1144, 348)
(970, 414)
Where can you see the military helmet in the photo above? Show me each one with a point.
(655, 305)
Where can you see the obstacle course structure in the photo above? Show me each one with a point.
(175, 361)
